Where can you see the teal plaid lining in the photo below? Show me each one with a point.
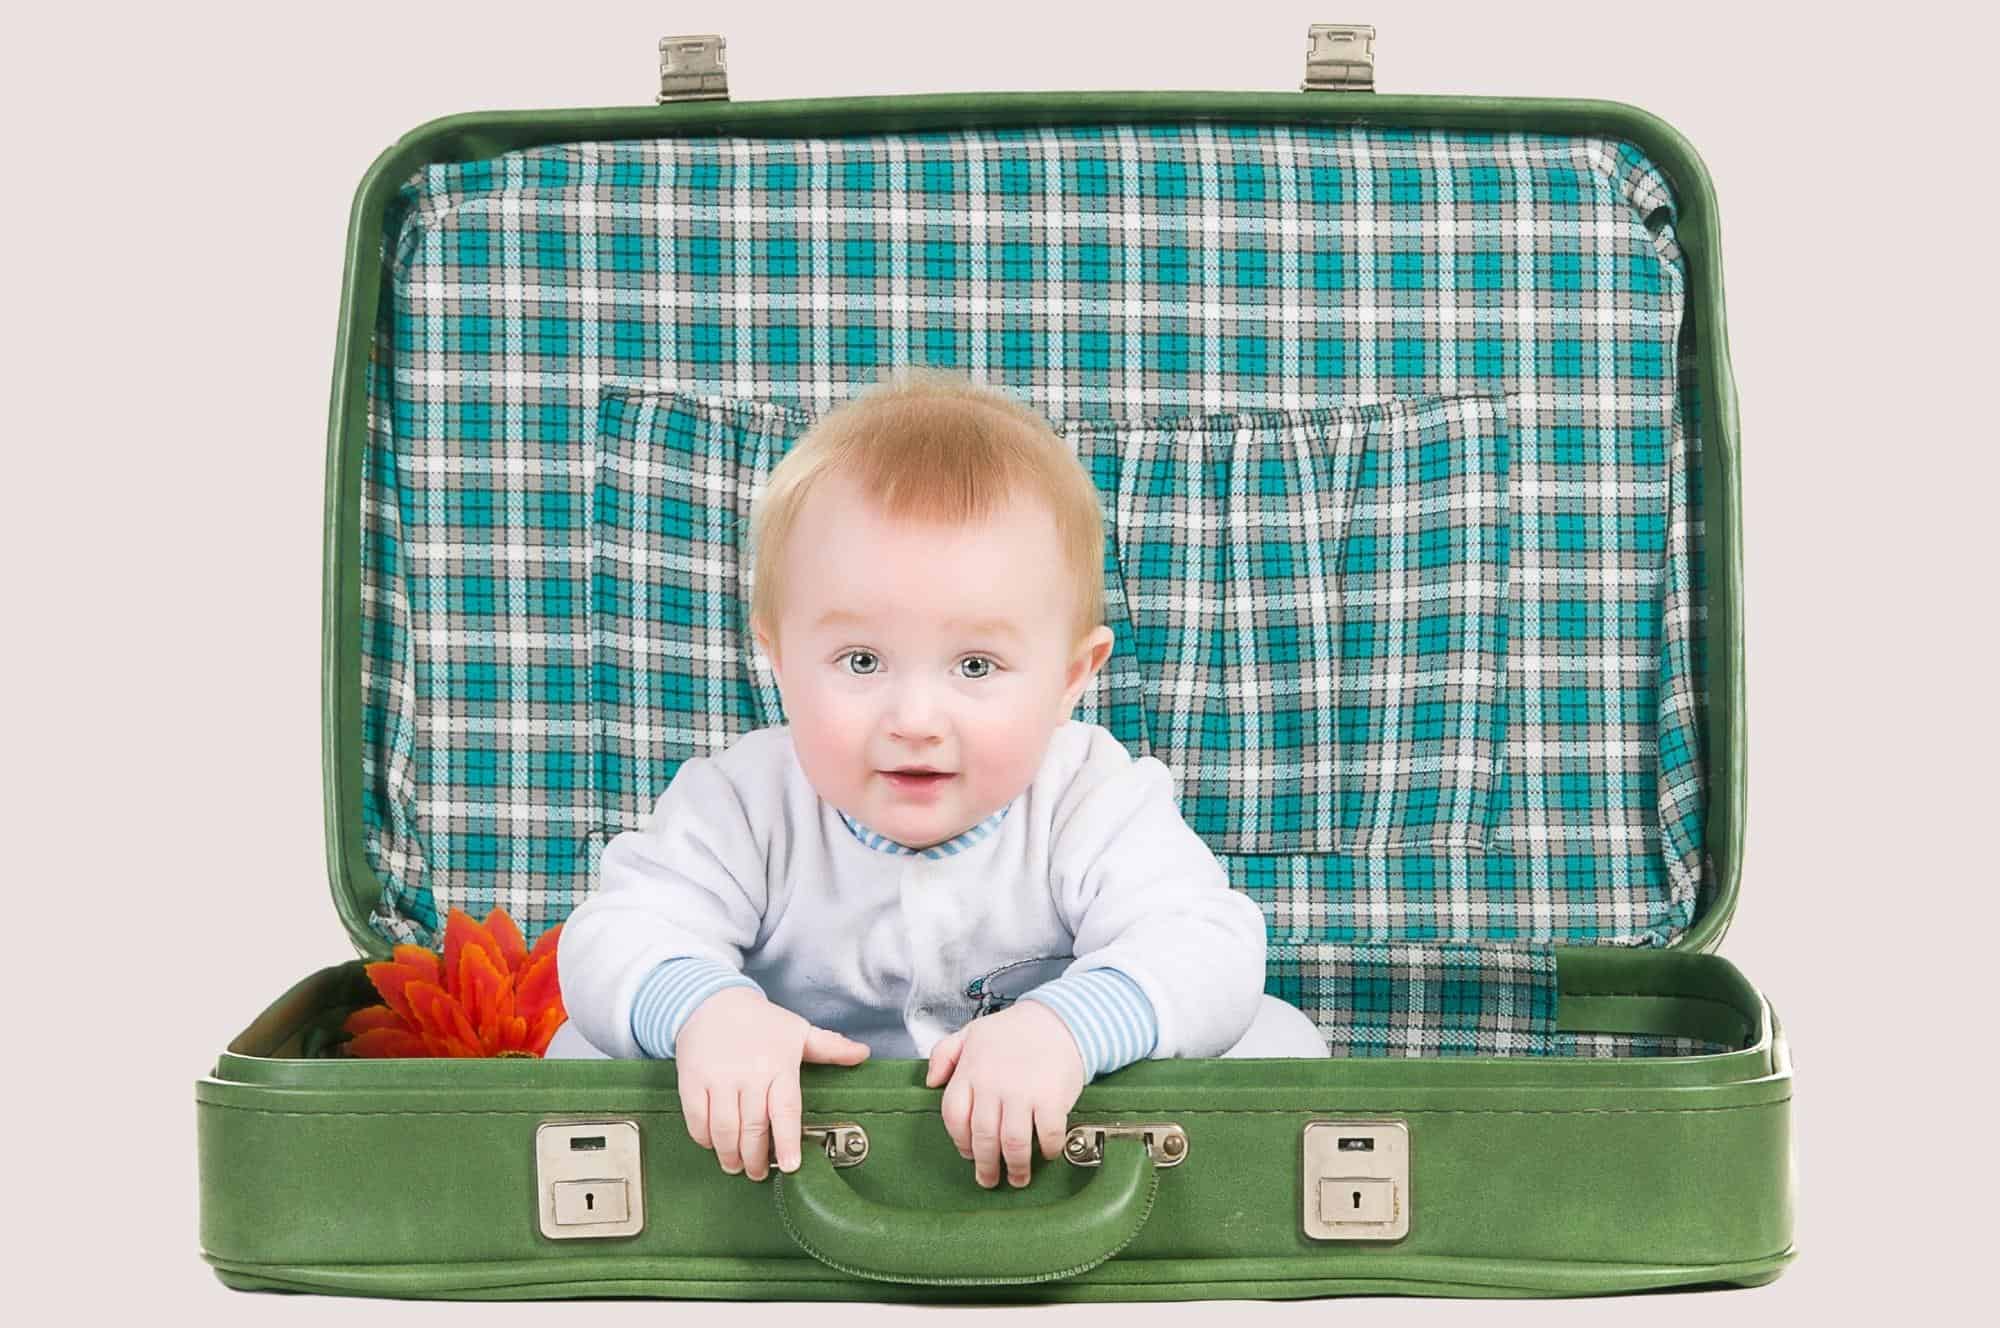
(670, 589)
(560, 320)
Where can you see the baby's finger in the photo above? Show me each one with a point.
(694, 1108)
(823, 1046)
(1016, 1122)
(757, 1131)
(986, 1136)
(1051, 1127)
(957, 1112)
(724, 1123)
(785, 1120)
(944, 1059)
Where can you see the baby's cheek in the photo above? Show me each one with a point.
(1010, 762)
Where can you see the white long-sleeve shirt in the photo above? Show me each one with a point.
(1091, 867)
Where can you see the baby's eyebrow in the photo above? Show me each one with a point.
(997, 626)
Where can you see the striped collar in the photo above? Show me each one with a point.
(950, 847)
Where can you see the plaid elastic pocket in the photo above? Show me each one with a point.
(1229, 528)
(671, 668)
(1114, 698)
(1320, 600)
(1423, 591)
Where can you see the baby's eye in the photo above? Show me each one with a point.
(986, 669)
(862, 655)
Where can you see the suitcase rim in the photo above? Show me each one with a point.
(1600, 990)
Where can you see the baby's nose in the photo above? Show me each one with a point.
(915, 713)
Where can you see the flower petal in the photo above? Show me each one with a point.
(546, 943)
(393, 977)
(431, 1007)
(436, 1045)
(513, 950)
(381, 1042)
(422, 958)
(461, 931)
(485, 993)
(539, 989)
(514, 1035)
(544, 1029)
(372, 1017)
(462, 1029)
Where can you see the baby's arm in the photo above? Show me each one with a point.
(691, 883)
(1143, 894)
(651, 966)
(1106, 1013)
(1015, 1075)
(1170, 962)
(672, 993)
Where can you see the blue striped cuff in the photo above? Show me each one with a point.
(1108, 1015)
(670, 994)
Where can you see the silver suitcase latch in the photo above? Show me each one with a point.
(693, 67)
(588, 1180)
(1357, 1180)
(1340, 57)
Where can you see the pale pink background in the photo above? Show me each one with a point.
(178, 180)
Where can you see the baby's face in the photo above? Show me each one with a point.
(921, 645)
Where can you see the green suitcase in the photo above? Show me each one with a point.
(1487, 785)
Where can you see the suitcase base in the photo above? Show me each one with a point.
(1527, 1176)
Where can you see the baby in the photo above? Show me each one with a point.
(931, 858)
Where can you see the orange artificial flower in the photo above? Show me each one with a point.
(488, 995)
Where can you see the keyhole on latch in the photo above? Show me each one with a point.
(590, 1202)
(1357, 1198)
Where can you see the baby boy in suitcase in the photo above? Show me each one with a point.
(930, 858)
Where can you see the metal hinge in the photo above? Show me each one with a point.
(1340, 57)
(845, 1142)
(693, 68)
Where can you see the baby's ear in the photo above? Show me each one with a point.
(1090, 657)
(765, 644)
(1097, 649)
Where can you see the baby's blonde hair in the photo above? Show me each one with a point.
(931, 445)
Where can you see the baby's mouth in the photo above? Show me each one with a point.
(917, 778)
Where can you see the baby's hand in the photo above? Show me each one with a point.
(738, 1057)
(1014, 1075)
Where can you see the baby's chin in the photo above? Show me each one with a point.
(921, 819)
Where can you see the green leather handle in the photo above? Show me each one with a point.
(854, 1234)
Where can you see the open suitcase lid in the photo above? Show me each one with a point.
(517, 654)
